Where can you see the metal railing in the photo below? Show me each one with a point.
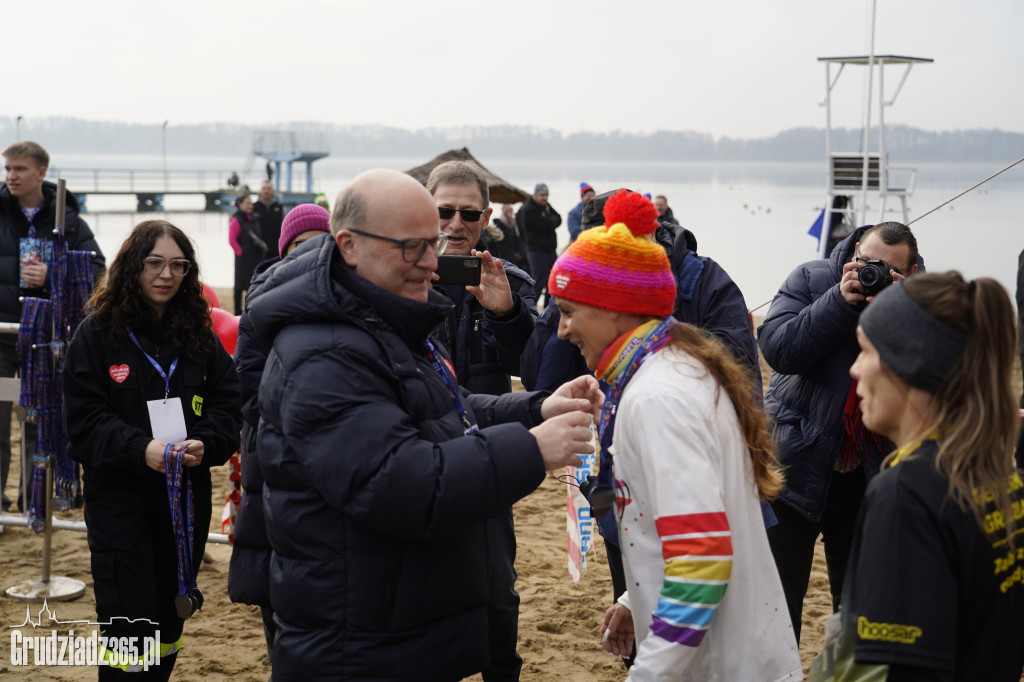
(146, 180)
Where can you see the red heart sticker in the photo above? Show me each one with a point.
(119, 373)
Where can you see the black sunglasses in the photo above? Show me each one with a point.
(412, 249)
(469, 215)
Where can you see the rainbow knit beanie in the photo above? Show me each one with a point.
(618, 266)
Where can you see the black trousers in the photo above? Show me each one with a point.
(540, 267)
(503, 602)
(792, 541)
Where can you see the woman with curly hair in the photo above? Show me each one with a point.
(687, 453)
(934, 587)
(151, 402)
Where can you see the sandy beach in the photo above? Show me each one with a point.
(558, 625)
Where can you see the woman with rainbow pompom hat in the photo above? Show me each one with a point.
(686, 450)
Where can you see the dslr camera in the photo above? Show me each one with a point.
(874, 276)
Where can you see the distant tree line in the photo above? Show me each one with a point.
(907, 144)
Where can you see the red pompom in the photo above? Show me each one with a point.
(631, 208)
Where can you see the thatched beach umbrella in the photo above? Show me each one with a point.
(501, 192)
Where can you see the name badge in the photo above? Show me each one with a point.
(167, 420)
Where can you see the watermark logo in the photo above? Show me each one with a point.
(63, 647)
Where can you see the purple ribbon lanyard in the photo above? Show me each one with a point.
(183, 522)
(453, 391)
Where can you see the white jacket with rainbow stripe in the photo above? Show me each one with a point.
(704, 592)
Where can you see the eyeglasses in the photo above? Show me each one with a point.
(864, 261)
(469, 215)
(154, 265)
(412, 249)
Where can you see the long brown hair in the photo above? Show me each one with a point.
(117, 301)
(977, 415)
(736, 381)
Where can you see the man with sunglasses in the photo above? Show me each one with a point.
(809, 339)
(28, 206)
(380, 470)
(486, 332)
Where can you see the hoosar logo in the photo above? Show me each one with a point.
(887, 632)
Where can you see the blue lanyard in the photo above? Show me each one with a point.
(156, 365)
(453, 392)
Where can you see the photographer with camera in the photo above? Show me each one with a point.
(809, 339)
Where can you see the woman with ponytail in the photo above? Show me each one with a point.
(934, 587)
(687, 453)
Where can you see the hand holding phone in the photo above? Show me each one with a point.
(464, 270)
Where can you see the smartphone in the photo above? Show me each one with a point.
(464, 270)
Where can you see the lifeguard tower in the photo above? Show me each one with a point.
(868, 170)
(286, 147)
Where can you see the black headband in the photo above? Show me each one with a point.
(917, 347)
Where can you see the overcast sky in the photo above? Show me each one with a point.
(739, 68)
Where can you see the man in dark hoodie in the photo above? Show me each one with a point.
(28, 212)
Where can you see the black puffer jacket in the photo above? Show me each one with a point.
(809, 339)
(374, 499)
(14, 225)
(249, 570)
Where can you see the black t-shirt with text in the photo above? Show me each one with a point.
(926, 587)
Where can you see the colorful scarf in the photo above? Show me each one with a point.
(618, 364)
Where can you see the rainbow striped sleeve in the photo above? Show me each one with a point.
(697, 549)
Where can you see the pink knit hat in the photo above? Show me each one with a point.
(303, 218)
(618, 266)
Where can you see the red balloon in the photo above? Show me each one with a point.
(211, 298)
(226, 326)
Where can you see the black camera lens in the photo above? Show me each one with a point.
(873, 277)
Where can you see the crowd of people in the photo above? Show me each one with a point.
(382, 445)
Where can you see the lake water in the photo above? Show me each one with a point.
(750, 217)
